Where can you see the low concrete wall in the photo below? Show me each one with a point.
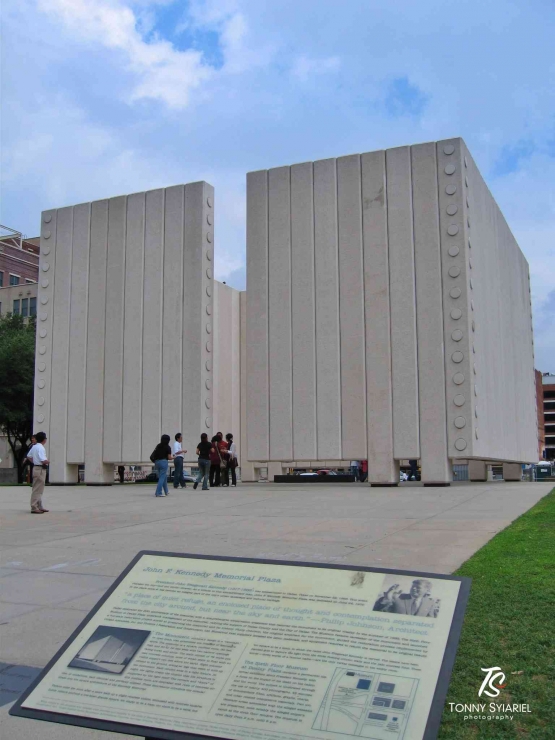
(8, 475)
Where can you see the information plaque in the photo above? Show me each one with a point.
(190, 646)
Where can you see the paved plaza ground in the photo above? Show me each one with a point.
(55, 567)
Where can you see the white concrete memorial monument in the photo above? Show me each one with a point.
(388, 315)
(124, 344)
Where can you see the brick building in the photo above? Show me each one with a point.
(19, 272)
(539, 410)
(548, 405)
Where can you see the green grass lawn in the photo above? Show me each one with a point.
(510, 623)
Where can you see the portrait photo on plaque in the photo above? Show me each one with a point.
(415, 597)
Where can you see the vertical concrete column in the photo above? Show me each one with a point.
(247, 468)
(303, 312)
(45, 325)
(274, 468)
(351, 308)
(456, 299)
(96, 472)
(78, 334)
(328, 368)
(197, 310)
(60, 471)
(382, 468)
(512, 471)
(153, 296)
(131, 445)
(435, 464)
(172, 326)
(219, 319)
(235, 369)
(279, 313)
(477, 470)
(406, 441)
(113, 344)
(257, 401)
(226, 390)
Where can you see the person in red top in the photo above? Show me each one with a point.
(223, 447)
(218, 455)
(363, 470)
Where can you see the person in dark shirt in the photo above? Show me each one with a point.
(204, 450)
(162, 453)
(231, 461)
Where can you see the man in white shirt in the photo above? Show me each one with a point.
(37, 455)
(178, 457)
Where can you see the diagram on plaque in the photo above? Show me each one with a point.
(109, 649)
(372, 705)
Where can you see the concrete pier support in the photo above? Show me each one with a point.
(477, 470)
(62, 474)
(248, 472)
(274, 468)
(438, 475)
(512, 471)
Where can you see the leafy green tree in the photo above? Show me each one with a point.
(17, 372)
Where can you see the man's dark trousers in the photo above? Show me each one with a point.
(178, 472)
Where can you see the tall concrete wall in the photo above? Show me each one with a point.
(125, 336)
(500, 318)
(387, 315)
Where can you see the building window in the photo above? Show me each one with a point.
(25, 307)
(1, 279)
(16, 307)
(14, 279)
(32, 306)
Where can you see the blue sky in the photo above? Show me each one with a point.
(102, 97)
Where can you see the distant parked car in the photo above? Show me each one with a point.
(153, 478)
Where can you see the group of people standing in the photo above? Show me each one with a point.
(217, 461)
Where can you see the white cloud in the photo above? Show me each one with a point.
(294, 81)
(241, 49)
(164, 73)
(305, 67)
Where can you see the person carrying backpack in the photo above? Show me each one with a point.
(161, 455)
